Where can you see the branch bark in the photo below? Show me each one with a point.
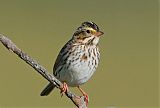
(79, 101)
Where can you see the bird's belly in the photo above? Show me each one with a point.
(77, 73)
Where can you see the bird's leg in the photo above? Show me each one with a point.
(85, 95)
(64, 88)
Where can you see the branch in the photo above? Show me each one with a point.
(79, 101)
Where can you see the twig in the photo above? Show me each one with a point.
(77, 100)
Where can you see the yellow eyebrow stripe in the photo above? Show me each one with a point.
(91, 29)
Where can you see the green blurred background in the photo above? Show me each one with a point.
(127, 76)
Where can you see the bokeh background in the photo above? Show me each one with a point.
(127, 76)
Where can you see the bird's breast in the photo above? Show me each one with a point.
(81, 65)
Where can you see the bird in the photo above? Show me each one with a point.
(78, 59)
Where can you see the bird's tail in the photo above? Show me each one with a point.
(47, 90)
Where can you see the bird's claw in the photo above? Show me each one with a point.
(64, 89)
(86, 98)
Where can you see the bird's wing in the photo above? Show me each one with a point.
(62, 57)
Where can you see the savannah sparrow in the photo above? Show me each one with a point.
(78, 59)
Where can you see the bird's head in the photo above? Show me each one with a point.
(88, 33)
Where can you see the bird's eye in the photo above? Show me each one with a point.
(88, 31)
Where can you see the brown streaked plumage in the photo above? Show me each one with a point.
(84, 57)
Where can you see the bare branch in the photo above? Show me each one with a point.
(79, 101)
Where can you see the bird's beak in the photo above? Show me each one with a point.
(99, 33)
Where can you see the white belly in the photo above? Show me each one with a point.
(79, 74)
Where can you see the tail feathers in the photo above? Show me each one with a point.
(47, 89)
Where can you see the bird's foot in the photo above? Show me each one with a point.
(64, 89)
(86, 97)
